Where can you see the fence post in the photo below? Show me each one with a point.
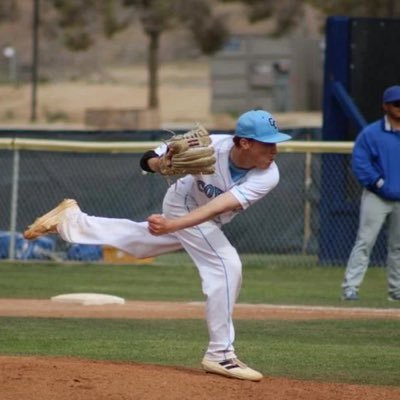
(14, 205)
(307, 204)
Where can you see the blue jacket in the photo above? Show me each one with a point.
(376, 155)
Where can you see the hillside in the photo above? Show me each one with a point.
(112, 73)
(126, 48)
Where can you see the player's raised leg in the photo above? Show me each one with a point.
(48, 222)
(75, 226)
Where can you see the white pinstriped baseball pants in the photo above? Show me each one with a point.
(216, 259)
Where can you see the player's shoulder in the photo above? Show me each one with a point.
(259, 182)
(221, 139)
(270, 174)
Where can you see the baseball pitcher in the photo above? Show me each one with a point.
(218, 176)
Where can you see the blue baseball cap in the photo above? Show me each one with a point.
(259, 125)
(392, 93)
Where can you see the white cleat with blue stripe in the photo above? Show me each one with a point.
(232, 368)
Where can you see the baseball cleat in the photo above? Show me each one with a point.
(232, 368)
(47, 223)
(394, 297)
(350, 295)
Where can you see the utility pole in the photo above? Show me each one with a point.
(35, 57)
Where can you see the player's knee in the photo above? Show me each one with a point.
(223, 273)
(142, 253)
(235, 265)
(236, 273)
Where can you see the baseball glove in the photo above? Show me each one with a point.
(189, 153)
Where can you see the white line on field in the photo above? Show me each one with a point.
(314, 308)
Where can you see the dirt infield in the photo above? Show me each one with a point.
(41, 378)
(179, 310)
(31, 378)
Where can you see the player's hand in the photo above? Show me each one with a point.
(159, 225)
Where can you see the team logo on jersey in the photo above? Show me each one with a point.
(209, 190)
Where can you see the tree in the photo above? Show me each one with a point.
(81, 20)
(358, 8)
(288, 13)
(78, 19)
(8, 10)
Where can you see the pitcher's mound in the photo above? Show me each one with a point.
(88, 299)
(49, 378)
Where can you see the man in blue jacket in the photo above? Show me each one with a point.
(376, 165)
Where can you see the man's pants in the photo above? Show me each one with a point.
(373, 213)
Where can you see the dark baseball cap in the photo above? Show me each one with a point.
(392, 93)
(259, 125)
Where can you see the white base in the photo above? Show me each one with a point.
(88, 299)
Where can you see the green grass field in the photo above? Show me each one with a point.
(174, 277)
(357, 351)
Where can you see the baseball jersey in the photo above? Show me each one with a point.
(253, 186)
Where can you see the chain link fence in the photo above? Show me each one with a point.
(309, 219)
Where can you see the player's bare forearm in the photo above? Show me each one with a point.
(159, 225)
